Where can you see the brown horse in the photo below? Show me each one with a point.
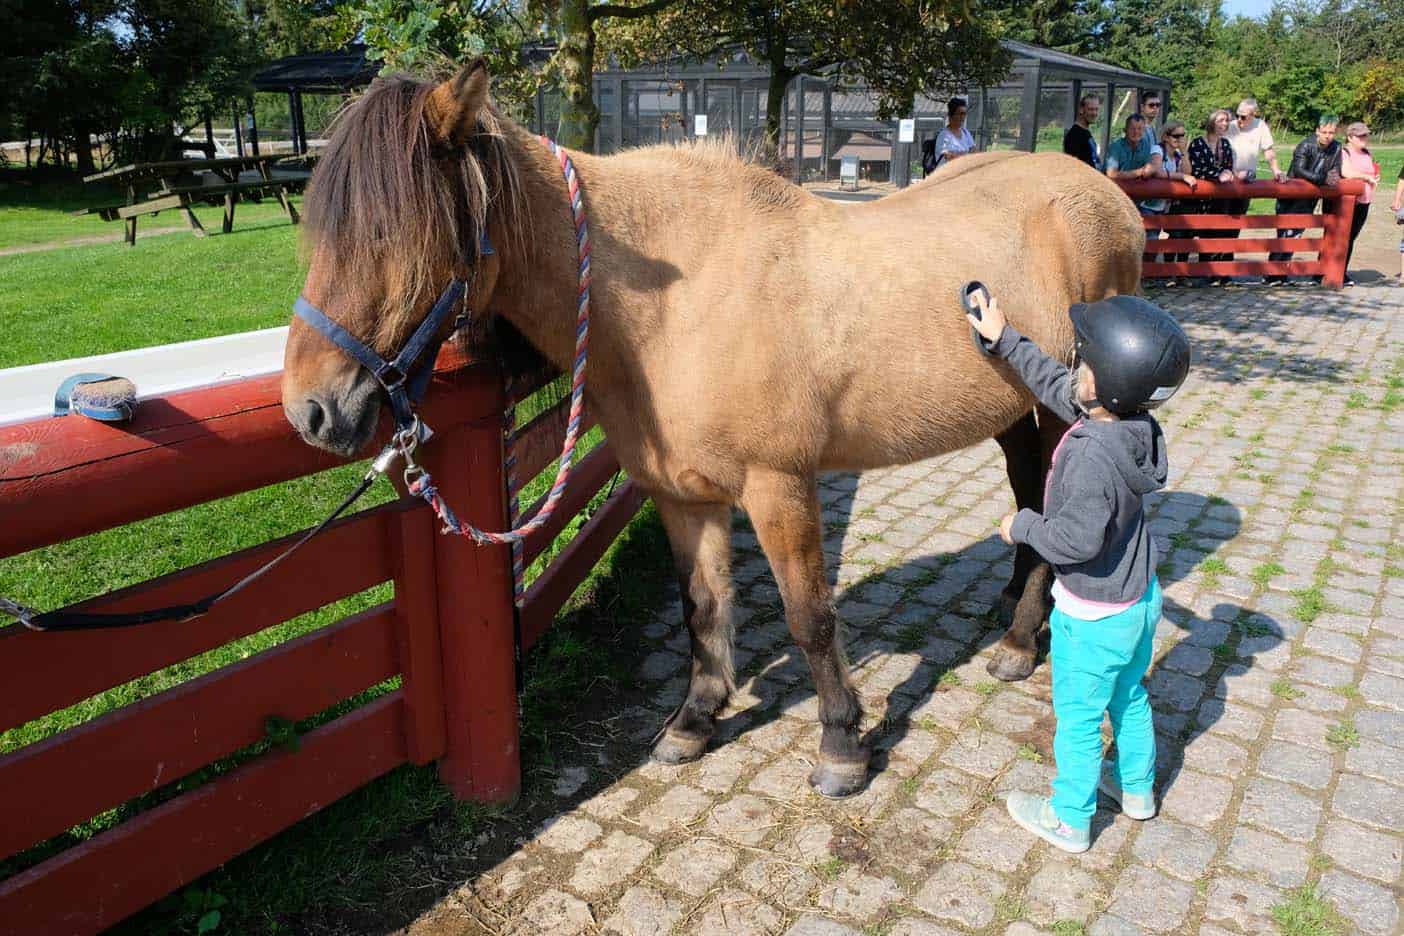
(745, 335)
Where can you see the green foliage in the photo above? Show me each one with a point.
(435, 36)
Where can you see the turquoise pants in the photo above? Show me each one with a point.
(1097, 667)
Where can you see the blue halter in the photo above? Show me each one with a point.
(406, 378)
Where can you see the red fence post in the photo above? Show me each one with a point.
(1338, 213)
(474, 596)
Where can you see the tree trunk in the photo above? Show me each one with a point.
(780, 78)
(579, 115)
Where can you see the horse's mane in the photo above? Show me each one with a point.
(386, 196)
(719, 157)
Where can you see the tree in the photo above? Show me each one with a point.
(189, 57)
(291, 27)
(1162, 37)
(71, 68)
(898, 48)
(1054, 24)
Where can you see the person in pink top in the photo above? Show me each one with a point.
(1358, 163)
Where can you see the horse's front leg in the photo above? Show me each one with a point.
(784, 511)
(700, 536)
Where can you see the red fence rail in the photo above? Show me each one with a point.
(1337, 206)
(447, 632)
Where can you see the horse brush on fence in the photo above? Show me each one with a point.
(97, 396)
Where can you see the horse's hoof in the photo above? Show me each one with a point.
(675, 748)
(837, 780)
(1011, 665)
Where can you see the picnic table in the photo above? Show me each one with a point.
(154, 187)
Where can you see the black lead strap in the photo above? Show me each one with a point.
(53, 621)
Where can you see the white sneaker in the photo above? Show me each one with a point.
(1133, 805)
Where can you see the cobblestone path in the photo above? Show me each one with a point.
(1278, 690)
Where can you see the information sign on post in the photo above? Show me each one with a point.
(699, 125)
(848, 171)
(906, 131)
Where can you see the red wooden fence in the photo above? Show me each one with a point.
(1337, 206)
(448, 631)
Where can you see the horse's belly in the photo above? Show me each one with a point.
(915, 423)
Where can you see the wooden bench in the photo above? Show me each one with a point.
(184, 198)
(174, 190)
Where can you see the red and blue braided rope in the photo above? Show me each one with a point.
(423, 486)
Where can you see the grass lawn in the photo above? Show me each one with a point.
(178, 288)
(162, 290)
(37, 212)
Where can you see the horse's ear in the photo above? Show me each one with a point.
(454, 105)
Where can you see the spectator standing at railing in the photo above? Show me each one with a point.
(1358, 163)
(1131, 155)
(1136, 155)
(1211, 157)
(1176, 168)
(1317, 160)
(1078, 140)
(1152, 110)
(1251, 140)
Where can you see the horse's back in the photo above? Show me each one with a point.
(1040, 230)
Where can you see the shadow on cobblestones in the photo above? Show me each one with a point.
(1264, 335)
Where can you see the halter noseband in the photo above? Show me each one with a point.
(406, 378)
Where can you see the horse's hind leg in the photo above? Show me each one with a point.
(784, 510)
(1023, 605)
(700, 535)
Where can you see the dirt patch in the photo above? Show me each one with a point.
(83, 241)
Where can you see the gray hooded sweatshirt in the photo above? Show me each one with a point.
(1092, 528)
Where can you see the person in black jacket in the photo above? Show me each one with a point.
(1317, 159)
(1078, 140)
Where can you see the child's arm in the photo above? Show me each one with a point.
(1047, 378)
(1076, 533)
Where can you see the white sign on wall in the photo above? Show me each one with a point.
(906, 131)
(699, 125)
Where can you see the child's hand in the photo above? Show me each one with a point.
(1006, 527)
(991, 323)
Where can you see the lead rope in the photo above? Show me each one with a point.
(420, 484)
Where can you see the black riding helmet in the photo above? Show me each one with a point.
(1138, 353)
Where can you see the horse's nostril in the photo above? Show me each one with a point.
(313, 416)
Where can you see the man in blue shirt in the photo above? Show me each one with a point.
(1134, 155)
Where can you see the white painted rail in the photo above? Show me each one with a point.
(28, 392)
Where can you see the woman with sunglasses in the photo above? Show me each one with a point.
(1177, 167)
(1357, 163)
(1211, 157)
(954, 140)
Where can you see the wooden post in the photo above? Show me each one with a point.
(825, 147)
(131, 222)
(253, 125)
(799, 129)
(1028, 116)
(229, 200)
(412, 541)
(238, 132)
(482, 759)
(1338, 214)
(1109, 109)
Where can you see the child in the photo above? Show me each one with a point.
(1106, 597)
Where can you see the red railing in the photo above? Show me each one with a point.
(447, 632)
(1337, 206)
